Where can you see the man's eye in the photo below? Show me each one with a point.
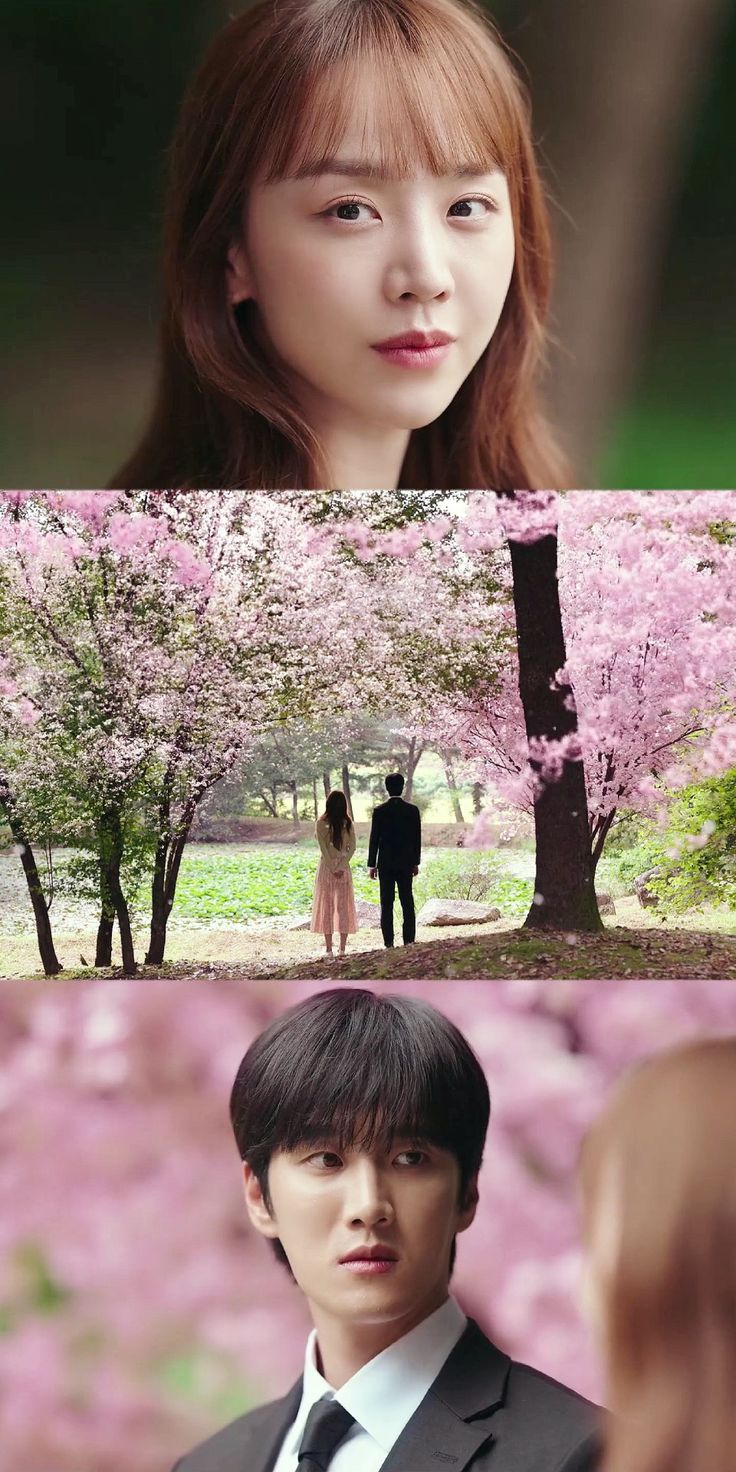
(328, 1157)
(418, 1156)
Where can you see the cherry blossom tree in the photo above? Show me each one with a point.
(590, 712)
(159, 636)
(478, 526)
(649, 605)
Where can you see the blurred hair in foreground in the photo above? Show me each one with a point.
(658, 1174)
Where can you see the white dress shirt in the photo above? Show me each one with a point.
(383, 1394)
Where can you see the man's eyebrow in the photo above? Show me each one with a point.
(365, 168)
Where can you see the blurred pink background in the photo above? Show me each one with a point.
(138, 1311)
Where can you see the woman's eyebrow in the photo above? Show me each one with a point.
(364, 168)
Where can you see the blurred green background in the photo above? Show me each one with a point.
(634, 113)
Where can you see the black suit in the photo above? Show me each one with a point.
(484, 1411)
(395, 848)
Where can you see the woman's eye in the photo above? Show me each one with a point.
(348, 210)
(350, 206)
(488, 207)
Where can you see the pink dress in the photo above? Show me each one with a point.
(333, 903)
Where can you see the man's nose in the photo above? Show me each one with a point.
(369, 1199)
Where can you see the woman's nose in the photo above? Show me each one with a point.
(420, 268)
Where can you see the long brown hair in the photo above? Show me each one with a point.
(666, 1147)
(273, 93)
(337, 817)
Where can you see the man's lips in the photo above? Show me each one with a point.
(375, 1253)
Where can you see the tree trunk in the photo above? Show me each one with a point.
(164, 894)
(327, 782)
(564, 896)
(111, 858)
(452, 785)
(346, 787)
(103, 946)
(49, 959)
(478, 790)
(269, 805)
(314, 798)
(157, 933)
(413, 758)
(294, 803)
(616, 170)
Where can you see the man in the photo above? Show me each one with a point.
(361, 1119)
(394, 851)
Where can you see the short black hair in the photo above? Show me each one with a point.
(362, 1068)
(394, 784)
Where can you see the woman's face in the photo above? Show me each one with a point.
(340, 262)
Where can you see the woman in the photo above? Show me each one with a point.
(345, 173)
(659, 1187)
(333, 903)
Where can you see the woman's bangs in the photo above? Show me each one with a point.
(433, 111)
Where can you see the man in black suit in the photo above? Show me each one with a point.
(394, 851)
(327, 1107)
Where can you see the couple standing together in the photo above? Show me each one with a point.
(394, 850)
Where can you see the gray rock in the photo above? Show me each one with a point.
(457, 912)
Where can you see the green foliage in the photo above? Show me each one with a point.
(472, 874)
(707, 874)
(693, 876)
(648, 853)
(255, 881)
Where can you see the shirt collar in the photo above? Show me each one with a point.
(384, 1393)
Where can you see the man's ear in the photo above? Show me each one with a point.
(239, 281)
(258, 1212)
(470, 1205)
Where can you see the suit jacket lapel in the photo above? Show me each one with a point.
(441, 1433)
(267, 1431)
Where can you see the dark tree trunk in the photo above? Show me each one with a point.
(103, 946)
(314, 798)
(49, 959)
(327, 782)
(346, 787)
(478, 790)
(413, 758)
(157, 935)
(564, 890)
(111, 858)
(452, 785)
(163, 890)
(269, 805)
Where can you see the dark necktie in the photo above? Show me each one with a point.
(327, 1424)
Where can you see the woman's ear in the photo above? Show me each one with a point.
(239, 282)
(258, 1211)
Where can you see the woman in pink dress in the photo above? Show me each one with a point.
(333, 903)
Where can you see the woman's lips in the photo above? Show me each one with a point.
(415, 357)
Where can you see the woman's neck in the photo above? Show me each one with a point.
(364, 458)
